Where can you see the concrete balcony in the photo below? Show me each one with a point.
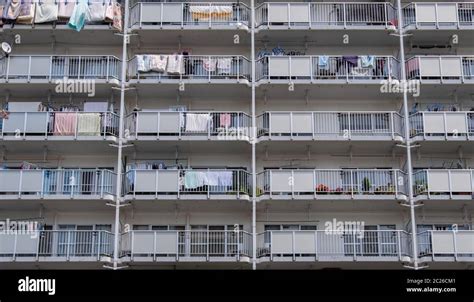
(439, 15)
(57, 184)
(442, 126)
(331, 184)
(59, 126)
(333, 246)
(441, 69)
(330, 126)
(189, 184)
(192, 69)
(444, 184)
(186, 246)
(310, 69)
(342, 15)
(189, 126)
(442, 246)
(190, 15)
(56, 246)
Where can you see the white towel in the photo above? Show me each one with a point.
(142, 65)
(212, 178)
(97, 11)
(197, 122)
(225, 178)
(157, 63)
(47, 11)
(224, 65)
(175, 64)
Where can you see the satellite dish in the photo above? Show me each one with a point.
(6, 48)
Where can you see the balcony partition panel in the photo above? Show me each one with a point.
(439, 15)
(440, 183)
(453, 243)
(440, 124)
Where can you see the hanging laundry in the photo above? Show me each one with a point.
(225, 178)
(225, 120)
(88, 124)
(212, 178)
(97, 9)
(278, 51)
(11, 10)
(65, 9)
(209, 64)
(79, 16)
(27, 12)
(157, 63)
(195, 179)
(65, 123)
(117, 20)
(175, 64)
(224, 65)
(367, 61)
(197, 122)
(46, 11)
(351, 60)
(207, 12)
(323, 62)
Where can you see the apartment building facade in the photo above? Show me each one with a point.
(237, 135)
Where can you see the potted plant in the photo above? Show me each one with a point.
(322, 189)
(365, 185)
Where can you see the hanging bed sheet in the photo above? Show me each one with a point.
(46, 11)
(27, 12)
(65, 9)
(12, 10)
(65, 123)
(216, 13)
(97, 10)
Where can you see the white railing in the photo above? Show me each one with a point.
(442, 183)
(453, 243)
(333, 244)
(440, 68)
(325, 15)
(438, 15)
(202, 124)
(62, 243)
(331, 182)
(193, 68)
(189, 15)
(330, 125)
(205, 182)
(58, 67)
(193, 243)
(442, 124)
(47, 182)
(311, 68)
(61, 124)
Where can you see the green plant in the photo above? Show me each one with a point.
(366, 184)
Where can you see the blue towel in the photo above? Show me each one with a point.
(323, 62)
(367, 61)
(79, 16)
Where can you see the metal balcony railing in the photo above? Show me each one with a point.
(442, 125)
(56, 244)
(339, 183)
(48, 182)
(330, 125)
(45, 67)
(190, 15)
(193, 68)
(323, 68)
(334, 244)
(196, 124)
(181, 244)
(454, 243)
(444, 183)
(438, 15)
(325, 15)
(444, 68)
(62, 125)
(197, 182)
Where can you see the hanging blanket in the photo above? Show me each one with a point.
(97, 11)
(175, 64)
(157, 63)
(11, 10)
(65, 9)
(214, 12)
(46, 11)
(88, 124)
(65, 123)
(224, 65)
(197, 122)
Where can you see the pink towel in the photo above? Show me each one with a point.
(225, 120)
(65, 123)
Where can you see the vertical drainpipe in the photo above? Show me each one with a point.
(253, 140)
(403, 78)
(118, 188)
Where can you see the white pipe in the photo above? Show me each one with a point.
(253, 141)
(403, 79)
(118, 189)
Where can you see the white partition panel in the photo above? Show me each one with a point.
(303, 181)
(278, 12)
(27, 243)
(282, 242)
(461, 181)
(438, 180)
(280, 122)
(451, 67)
(280, 181)
(170, 122)
(305, 242)
(447, 13)
(430, 67)
(143, 242)
(145, 181)
(434, 123)
(465, 242)
(167, 243)
(456, 123)
(426, 12)
(168, 181)
(302, 123)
